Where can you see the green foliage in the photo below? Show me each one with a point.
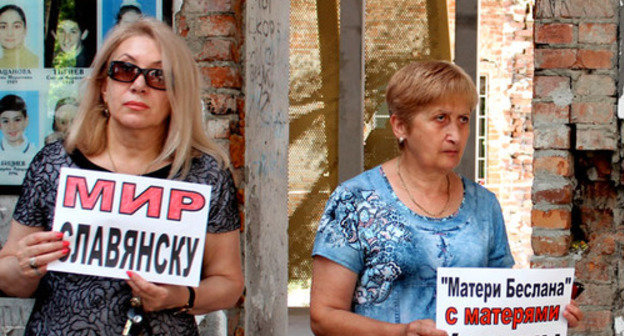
(64, 59)
(66, 10)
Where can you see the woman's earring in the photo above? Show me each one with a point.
(106, 113)
(401, 140)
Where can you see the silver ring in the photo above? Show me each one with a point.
(32, 262)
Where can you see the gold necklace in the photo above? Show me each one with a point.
(448, 193)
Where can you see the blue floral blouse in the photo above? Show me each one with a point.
(395, 252)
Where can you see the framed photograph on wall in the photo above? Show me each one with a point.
(19, 134)
(114, 12)
(70, 33)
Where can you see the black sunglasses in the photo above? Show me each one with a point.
(127, 73)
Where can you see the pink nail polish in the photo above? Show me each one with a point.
(59, 234)
(129, 274)
(65, 250)
(65, 243)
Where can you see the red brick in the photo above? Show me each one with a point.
(220, 104)
(237, 150)
(599, 33)
(222, 77)
(549, 263)
(562, 195)
(600, 171)
(600, 166)
(554, 33)
(182, 26)
(240, 105)
(551, 137)
(600, 320)
(555, 58)
(595, 59)
(240, 196)
(598, 195)
(549, 113)
(217, 50)
(547, 86)
(557, 165)
(204, 6)
(593, 113)
(596, 137)
(241, 214)
(523, 35)
(555, 246)
(217, 25)
(551, 219)
(600, 85)
(596, 295)
(597, 220)
(594, 268)
(218, 128)
(602, 243)
(587, 9)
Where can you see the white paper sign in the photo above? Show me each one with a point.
(116, 223)
(492, 301)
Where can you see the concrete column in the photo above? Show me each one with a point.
(266, 159)
(351, 115)
(467, 57)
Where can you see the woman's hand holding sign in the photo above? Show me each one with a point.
(35, 251)
(573, 314)
(154, 297)
(423, 328)
(28, 252)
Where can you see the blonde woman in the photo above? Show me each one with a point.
(140, 115)
(385, 232)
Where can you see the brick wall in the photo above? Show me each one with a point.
(214, 31)
(506, 59)
(577, 162)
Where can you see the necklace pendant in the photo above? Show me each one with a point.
(407, 190)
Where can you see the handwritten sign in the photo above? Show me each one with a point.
(117, 222)
(490, 301)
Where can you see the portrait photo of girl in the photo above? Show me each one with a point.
(20, 34)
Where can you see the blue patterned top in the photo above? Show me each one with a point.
(395, 251)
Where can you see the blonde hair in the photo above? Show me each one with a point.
(420, 84)
(186, 137)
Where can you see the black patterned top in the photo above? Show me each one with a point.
(70, 304)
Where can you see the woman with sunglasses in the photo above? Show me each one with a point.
(140, 114)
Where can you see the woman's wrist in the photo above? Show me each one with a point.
(404, 329)
(190, 301)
